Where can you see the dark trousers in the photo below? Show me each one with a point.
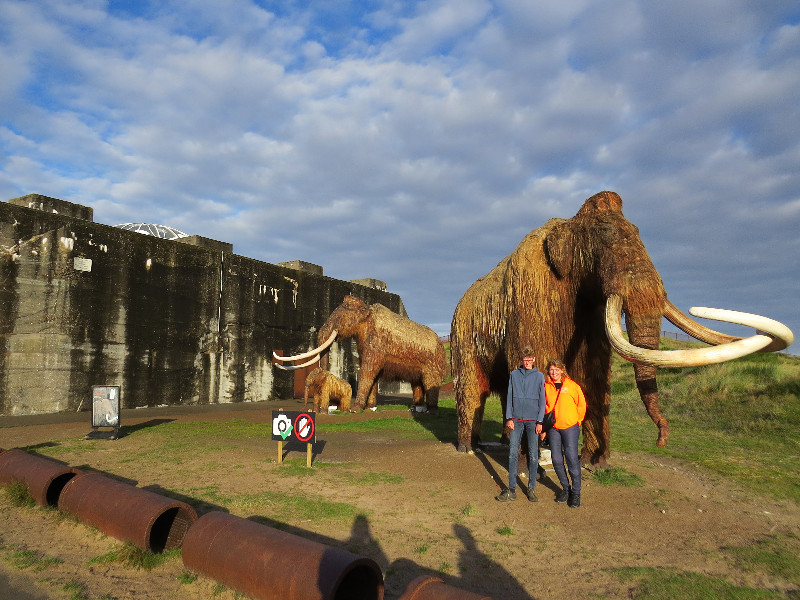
(515, 440)
(564, 444)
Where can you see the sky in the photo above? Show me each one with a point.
(417, 142)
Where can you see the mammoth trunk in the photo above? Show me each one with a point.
(645, 333)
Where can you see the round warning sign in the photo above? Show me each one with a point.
(304, 427)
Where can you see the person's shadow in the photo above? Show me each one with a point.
(472, 560)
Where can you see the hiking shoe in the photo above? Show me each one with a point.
(531, 495)
(561, 496)
(574, 500)
(507, 496)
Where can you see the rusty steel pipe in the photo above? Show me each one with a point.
(268, 564)
(44, 477)
(148, 520)
(433, 588)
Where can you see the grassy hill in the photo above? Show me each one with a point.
(740, 419)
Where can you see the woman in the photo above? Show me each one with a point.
(567, 399)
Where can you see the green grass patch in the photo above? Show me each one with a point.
(187, 577)
(19, 495)
(618, 476)
(777, 555)
(667, 584)
(75, 590)
(32, 560)
(505, 529)
(134, 557)
(739, 419)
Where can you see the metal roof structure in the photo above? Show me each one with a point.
(159, 231)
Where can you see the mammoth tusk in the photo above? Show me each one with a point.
(674, 315)
(314, 352)
(774, 335)
(295, 367)
(782, 336)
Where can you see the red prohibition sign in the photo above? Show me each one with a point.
(304, 427)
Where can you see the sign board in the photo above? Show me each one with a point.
(105, 406)
(293, 426)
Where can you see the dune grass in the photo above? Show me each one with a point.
(740, 419)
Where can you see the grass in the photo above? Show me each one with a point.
(75, 590)
(618, 476)
(778, 555)
(667, 584)
(739, 419)
(19, 495)
(134, 557)
(505, 529)
(31, 560)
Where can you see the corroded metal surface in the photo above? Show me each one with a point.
(433, 588)
(268, 564)
(44, 477)
(146, 519)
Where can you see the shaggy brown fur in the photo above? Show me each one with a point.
(391, 348)
(550, 293)
(324, 386)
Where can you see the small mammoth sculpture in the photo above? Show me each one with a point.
(323, 386)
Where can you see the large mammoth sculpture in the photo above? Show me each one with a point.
(390, 347)
(562, 291)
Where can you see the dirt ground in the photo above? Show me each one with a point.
(432, 512)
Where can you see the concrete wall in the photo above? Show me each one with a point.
(171, 322)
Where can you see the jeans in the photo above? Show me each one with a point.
(566, 441)
(515, 440)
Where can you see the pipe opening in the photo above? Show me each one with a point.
(56, 487)
(169, 529)
(360, 583)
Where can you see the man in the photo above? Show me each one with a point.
(524, 413)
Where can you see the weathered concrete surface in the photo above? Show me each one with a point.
(85, 304)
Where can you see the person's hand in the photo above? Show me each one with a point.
(510, 424)
(539, 428)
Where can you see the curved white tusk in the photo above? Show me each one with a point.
(778, 336)
(314, 352)
(295, 367)
(781, 334)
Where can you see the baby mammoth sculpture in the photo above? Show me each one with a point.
(390, 347)
(562, 291)
(323, 386)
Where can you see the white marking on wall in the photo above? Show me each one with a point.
(148, 263)
(68, 243)
(294, 291)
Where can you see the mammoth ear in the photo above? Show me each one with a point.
(558, 248)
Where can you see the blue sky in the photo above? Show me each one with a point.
(418, 142)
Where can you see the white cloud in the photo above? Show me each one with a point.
(420, 142)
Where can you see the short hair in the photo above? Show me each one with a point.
(554, 362)
(527, 351)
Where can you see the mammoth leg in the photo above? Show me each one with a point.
(347, 396)
(432, 398)
(417, 394)
(367, 386)
(324, 400)
(596, 433)
(648, 390)
(472, 389)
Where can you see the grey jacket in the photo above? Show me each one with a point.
(526, 399)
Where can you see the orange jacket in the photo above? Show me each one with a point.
(571, 408)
